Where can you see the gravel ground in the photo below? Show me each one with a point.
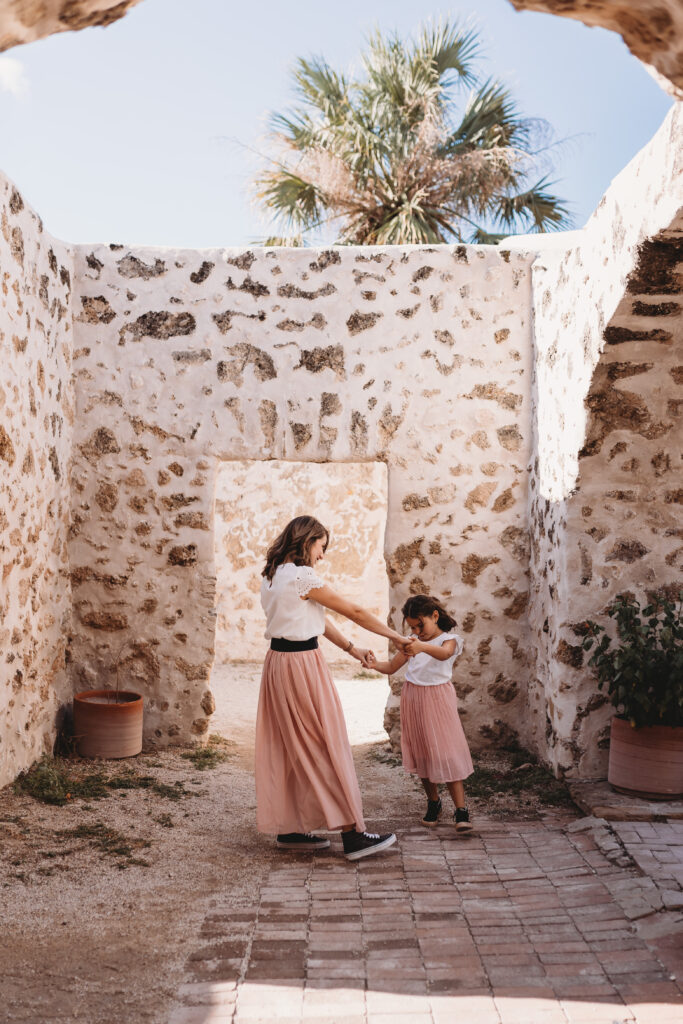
(101, 900)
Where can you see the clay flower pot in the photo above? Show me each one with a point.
(646, 762)
(108, 723)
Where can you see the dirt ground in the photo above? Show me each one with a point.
(101, 898)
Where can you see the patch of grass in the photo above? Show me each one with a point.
(385, 755)
(175, 792)
(50, 782)
(527, 781)
(109, 842)
(214, 753)
(165, 820)
(364, 674)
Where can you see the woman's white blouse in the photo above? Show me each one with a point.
(287, 616)
(423, 670)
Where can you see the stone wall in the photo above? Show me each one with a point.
(608, 434)
(254, 500)
(416, 357)
(525, 403)
(36, 416)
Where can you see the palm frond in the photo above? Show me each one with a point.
(285, 241)
(491, 118)
(535, 208)
(450, 47)
(296, 202)
(318, 84)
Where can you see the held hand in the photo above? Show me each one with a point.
(363, 655)
(413, 647)
(403, 643)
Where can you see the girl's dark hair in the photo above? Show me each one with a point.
(422, 605)
(294, 544)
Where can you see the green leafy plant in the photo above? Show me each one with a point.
(642, 667)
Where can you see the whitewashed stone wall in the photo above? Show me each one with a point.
(604, 501)
(36, 416)
(416, 357)
(254, 500)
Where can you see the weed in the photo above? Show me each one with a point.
(174, 792)
(385, 755)
(213, 754)
(166, 820)
(109, 841)
(129, 779)
(527, 782)
(50, 782)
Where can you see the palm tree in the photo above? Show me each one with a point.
(388, 158)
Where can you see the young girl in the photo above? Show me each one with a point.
(433, 743)
(305, 778)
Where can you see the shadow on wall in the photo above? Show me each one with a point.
(255, 500)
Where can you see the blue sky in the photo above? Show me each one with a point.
(146, 132)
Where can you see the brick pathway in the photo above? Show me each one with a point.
(521, 924)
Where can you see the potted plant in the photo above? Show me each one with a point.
(642, 668)
(108, 723)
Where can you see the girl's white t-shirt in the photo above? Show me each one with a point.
(423, 670)
(288, 617)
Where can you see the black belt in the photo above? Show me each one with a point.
(279, 644)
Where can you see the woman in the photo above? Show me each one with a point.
(305, 778)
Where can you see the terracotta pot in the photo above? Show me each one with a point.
(646, 762)
(107, 724)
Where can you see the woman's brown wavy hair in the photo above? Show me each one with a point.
(294, 544)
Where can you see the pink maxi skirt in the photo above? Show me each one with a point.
(433, 743)
(305, 776)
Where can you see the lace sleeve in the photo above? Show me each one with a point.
(307, 580)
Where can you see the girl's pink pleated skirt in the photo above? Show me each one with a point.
(305, 776)
(433, 743)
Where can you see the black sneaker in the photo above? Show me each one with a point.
(462, 820)
(364, 844)
(434, 808)
(301, 841)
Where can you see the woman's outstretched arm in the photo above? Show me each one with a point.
(339, 640)
(336, 603)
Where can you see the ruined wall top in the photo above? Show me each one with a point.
(23, 21)
(652, 30)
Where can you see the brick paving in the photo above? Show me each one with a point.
(526, 923)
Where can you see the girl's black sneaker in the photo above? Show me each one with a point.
(305, 841)
(462, 820)
(364, 844)
(434, 809)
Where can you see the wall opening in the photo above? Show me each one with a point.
(254, 500)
